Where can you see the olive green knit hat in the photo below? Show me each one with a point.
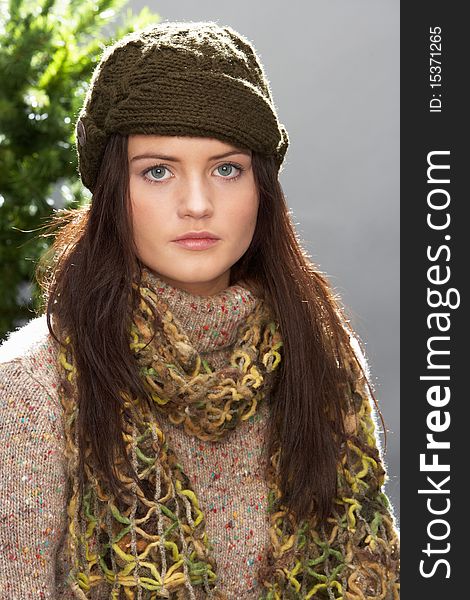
(179, 78)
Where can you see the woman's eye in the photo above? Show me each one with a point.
(227, 169)
(156, 172)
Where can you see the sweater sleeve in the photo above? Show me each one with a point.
(32, 485)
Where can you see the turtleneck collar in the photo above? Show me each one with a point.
(210, 322)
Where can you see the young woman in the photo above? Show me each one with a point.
(191, 417)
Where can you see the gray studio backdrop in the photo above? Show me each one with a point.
(333, 66)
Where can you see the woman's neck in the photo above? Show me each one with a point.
(210, 322)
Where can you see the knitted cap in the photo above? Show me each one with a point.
(179, 78)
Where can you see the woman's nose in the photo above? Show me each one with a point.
(195, 199)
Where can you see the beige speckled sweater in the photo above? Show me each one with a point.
(227, 476)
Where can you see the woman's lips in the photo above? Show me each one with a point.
(196, 243)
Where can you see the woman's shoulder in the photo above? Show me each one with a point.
(26, 340)
(28, 363)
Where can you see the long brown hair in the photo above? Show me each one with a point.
(87, 280)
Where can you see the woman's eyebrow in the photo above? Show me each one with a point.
(174, 159)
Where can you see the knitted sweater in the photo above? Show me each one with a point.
(227, 476)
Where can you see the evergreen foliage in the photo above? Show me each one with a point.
(48, 50)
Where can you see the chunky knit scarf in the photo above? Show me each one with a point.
(143, 548)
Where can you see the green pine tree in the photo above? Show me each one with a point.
(48, 50)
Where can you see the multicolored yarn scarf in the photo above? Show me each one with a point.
(148, 549)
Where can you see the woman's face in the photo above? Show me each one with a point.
(186, 184)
